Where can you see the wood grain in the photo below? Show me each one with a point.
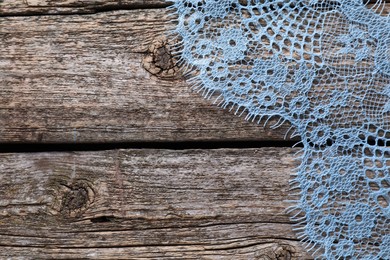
(35, 7)
(138, 204)
(101, 78)
(106, 77)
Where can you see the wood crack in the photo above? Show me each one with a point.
(74, 9)
(68, 147)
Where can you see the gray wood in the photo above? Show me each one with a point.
(138, 204)
(24, 7)
(103, 78)
(34, 7)
(107, 77)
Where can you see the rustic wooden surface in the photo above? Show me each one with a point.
(103, 78)
(145, 203)
(98, 78)
(31, 7)
(34, 7)
(76, 72)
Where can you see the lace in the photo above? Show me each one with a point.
(323, 66)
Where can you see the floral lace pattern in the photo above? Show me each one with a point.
(324, 66)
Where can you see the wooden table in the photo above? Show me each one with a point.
(107, 154)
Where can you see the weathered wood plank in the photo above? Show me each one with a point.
(29, 7)
(83, 79)
(159, 204)
(103, 78)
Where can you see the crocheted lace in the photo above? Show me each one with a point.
(323, 66)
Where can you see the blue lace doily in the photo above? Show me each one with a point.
(323, 66)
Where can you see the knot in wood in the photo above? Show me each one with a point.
(76, 199)
(284, 252)
(159, 60)
(280, 252)
(163, 58)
